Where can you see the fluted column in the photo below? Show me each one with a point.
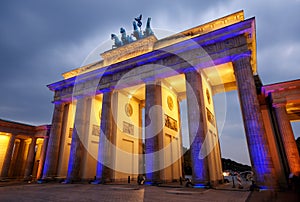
(140, 142)
(42, 158)
(253, 123)
(51, 161)
(195, 111)
(30, 158)
(104, 164)
(153, 132)
(288, 138)
(19, 163)
(13, 163)
(180, 144)
(8, 156)
(77, 148)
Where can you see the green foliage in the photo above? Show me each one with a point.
(227, 164)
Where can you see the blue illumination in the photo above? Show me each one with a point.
(263, 188)
(190, 44)
(57, 102)
(148, 183)
(149, 166)
(258, 154)
(72, 157)
(241, 55)
(200, 186)
(46, 167)
(105, 90)
(189, 69)
(199, 164)
(99, 171)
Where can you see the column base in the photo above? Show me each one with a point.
(44, 180)
(201, 184)
(67, 181)
(96, 182)
(101, 181)
(4, 179)
(71, 180)
(153, 181)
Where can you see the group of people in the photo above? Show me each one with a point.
(294, 182)
(188, 183)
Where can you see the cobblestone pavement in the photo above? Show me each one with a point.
(132, 193)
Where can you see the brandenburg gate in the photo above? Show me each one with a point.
(121, 116)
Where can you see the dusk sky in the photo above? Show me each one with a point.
(41, 39)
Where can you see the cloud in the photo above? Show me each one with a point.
(238, 149)
(41, 39)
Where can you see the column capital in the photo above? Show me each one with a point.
(241, 61)
(193, 76)
(242, 56)
(59, 103)
(279, 105)
(13, 134)
(151, 81)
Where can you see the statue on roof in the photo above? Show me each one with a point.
(137, 33)
(139, 21)
(148, 31)
(126, 39)
(117, 41)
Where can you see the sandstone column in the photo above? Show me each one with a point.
(13, 163)
(153, 132)
(51, 161)
(42, 158)
(140, 142)
(196, 111)
(8, 156)
(30, 158)
(19, 163)
(77, 148)
(104, 172)
(288, 138)
(180, 160)
(253, 122)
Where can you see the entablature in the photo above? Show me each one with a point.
(213, 48)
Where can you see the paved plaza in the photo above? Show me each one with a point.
(133, 193)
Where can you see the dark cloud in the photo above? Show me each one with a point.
(277, 29)
(41, 39)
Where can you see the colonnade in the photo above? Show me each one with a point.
(23, 156)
